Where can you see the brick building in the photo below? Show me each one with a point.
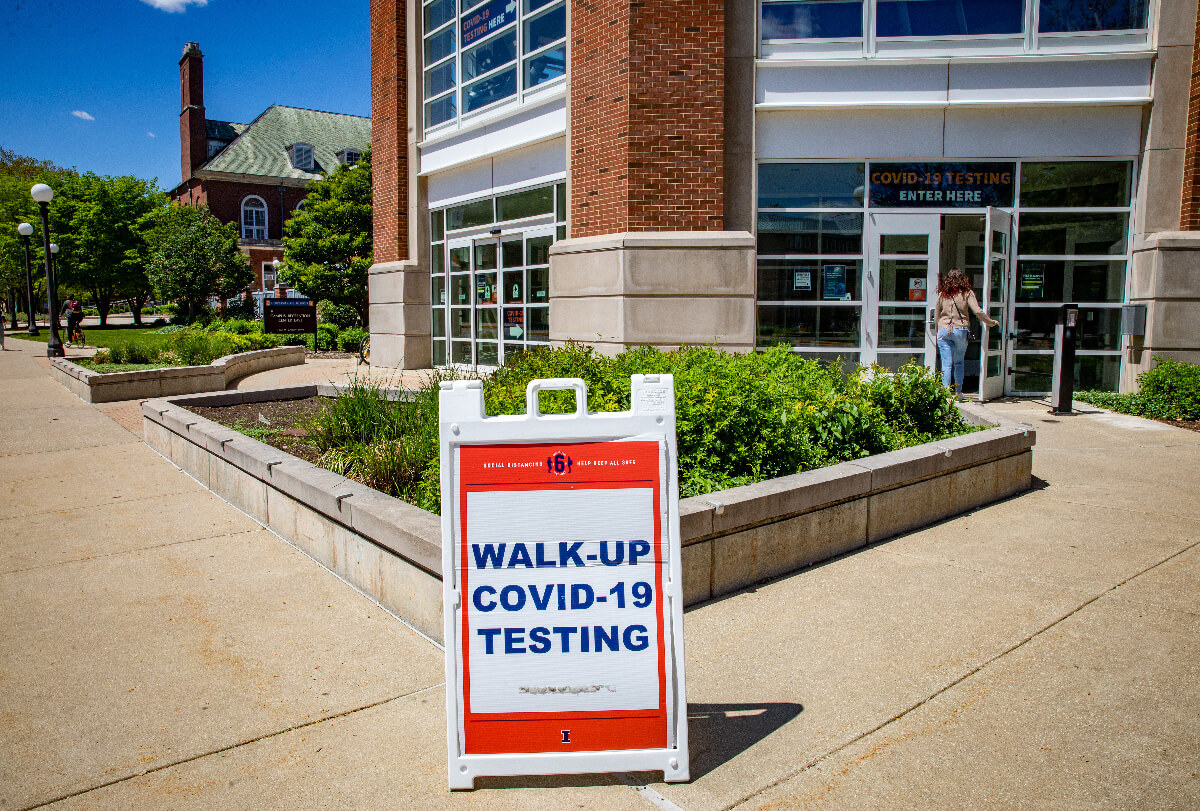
(755, 171)
(256, 174)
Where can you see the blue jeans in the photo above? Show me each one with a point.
(952, 352)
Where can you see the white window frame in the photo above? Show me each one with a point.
(267, 267)
(299, 150)
(250, 231)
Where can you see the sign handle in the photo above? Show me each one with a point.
(533, 406)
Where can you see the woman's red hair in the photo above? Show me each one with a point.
(953, 283)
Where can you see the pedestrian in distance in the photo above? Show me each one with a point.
(73, 308)
(955, 302)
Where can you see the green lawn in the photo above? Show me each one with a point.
(105, 368)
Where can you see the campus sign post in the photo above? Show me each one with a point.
(562, 586)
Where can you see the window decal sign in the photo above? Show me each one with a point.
(562, 586)
(941, 185)
(490, 17)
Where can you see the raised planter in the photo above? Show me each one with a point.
(391, 551)
(94, 387)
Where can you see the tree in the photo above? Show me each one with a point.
(99, 226)
(327, 243)
(193, 255)
(18, 173)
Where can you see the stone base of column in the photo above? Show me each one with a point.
(399, 315)
(663, 289)
(1166, 278)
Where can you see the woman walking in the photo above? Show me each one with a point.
(955, 301)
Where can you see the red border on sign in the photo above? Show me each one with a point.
(486, 468)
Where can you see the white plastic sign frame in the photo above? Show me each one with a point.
(562, 586)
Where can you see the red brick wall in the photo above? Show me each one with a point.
(224, 199)
(647, 115)
(389, 129)
(1189, 219)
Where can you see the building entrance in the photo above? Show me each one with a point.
(906, 253)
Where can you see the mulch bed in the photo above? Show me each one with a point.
(277, 423)
(1191, 425)
(330, 355)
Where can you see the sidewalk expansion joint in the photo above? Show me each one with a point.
(231, 747)
(889, 722)
(646, 792)
(96, 505)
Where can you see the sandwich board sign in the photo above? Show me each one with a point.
(562, 586)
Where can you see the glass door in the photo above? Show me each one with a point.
(902, 274)
(458, 298)
(993, 364)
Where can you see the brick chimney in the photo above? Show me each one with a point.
(193, 137)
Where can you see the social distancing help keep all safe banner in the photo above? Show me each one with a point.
(562, 581)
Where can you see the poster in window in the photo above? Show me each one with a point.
(834, 277)
(802, 280)
(916, 289)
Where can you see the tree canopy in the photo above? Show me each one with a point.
(193, 255)
(327, 243)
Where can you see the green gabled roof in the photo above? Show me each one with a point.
(223, 130)
(262, 146)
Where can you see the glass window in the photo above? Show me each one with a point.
(437, 226)
(1072, 280)
(460, 289)
(460, 259)
(512, 253)
(534, 5)
(437, 260)
(805, 185)
(485, 256)
(486, 324)
(890, 244)
(440, 79)
(1059, 16)
(903, 280)
(539, 323)
(439, 353)
(560, 198)
(439, 46)
(525, 204)
(539, 285)
(490, 90)
(439, 291)
(892, 361)
(485, 288)
(440, 110)
(1098, 328)
(902, 327)
(809, 280)
(537, 250)
(812, 19)
(514, 324)
(490, 55)
(545, 67)
(780, 233)
(438, 328)
(808, 326)
(546, 28)
(487, 354)
(460, 322)
(460, 352)
(470, 215)
(438, 13)
(1076, 184)
(935, 18)
(254, 218)
(1071, 234)
(514, 286)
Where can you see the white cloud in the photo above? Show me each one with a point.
(150, 135)
(86, 116)
(174, 6)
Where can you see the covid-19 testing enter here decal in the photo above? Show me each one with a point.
(566, 635)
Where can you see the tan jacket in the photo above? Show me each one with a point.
(953, 311)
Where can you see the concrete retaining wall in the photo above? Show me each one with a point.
(391, 550)
(94, 387)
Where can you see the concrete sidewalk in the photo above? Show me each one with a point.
(159, 649)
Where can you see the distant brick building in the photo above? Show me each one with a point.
(755, 172)
(256, 174)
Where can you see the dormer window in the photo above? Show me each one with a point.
(302, 156)
(348, 155)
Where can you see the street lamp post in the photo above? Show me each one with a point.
(275, 265)
(43, 194)
(25, 229)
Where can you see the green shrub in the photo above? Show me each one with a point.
(327, 335)
(1169, 391)
(237, 326)
(341, 316)
(102, 356)
(242, 308)
(739, 418)
(351, 339)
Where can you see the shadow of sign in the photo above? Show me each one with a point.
(718, 733)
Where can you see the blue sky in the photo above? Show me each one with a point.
(95, 84)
